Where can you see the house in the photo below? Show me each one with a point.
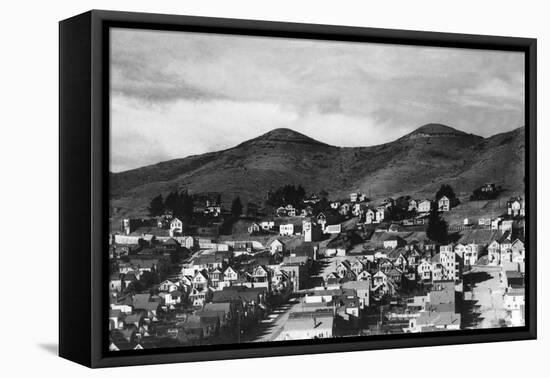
(311, 231)
(200, 281)
(115, 319)
(216, 279)
(506, 225)
(267, 225)
(424, 270)
(261, 277)
(518, 251)
(286, 229)
(314, 325)
(514, 304)
(393, 242)
(468, 253)
(357, 266)
(353, 197)
(413, 255)
(172, 298)
(402, 261)
(493, 253)
(230, 275)
(168, 286)
(395, 275)
(370, 216)
(380, 214)
(345, 209)
(332, 280)
(115, 282)
(358, 209)
(439, 310)
(198, 297)
(254, 228)
(343, 267)
(412, 205)
(176, 227)
(364, 276)
(290, 210)
(276, 247)
(280, 283)
(381, 284)
(207, 261)
(444, 204)
(145, 302)
(297, 269)
(495, 223)
(424, 206)
(514, 206)
(506, 247)
(513, 279)
(333, 229)
(447, 258)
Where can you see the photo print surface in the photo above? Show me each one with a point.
(269, 189)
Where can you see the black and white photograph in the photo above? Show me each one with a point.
(268, 189)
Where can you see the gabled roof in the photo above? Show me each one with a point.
(240, 293)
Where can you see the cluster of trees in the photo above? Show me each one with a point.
(285, 195)
(401, 209)
(179, 204)
(447, 191)
(437, 227)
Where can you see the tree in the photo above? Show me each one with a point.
(236, 207)
(156, 206)
(437, 227)
(185, 205)
(171, 202)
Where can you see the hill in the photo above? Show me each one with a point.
(415, 164)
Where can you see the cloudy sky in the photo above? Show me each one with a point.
(175, 94)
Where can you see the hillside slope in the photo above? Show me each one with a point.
(415, 164)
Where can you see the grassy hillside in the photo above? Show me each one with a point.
(416, 164)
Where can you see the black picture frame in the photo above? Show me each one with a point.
(83, 180)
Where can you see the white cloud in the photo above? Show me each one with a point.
(176, 94)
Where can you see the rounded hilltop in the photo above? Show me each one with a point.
(434, 130)
(283, 135)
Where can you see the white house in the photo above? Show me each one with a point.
(176, 226)
(253, 228)
(493, 251)
(333, 229)
(370, 216)
(267, 225)
(286, 229)
(447, 258)
(518, 251)
(276, 246)
(444, 204)
(514, 206)
(424, 270)
(424, 206)
(413, 205)
(380, 214)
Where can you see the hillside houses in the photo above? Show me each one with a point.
(344, 267)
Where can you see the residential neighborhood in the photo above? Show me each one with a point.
(200, 271)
